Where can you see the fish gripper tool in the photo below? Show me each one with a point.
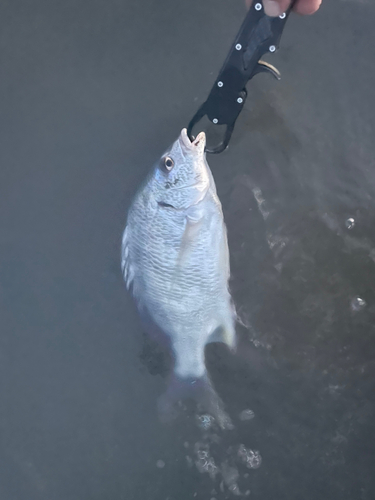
(258, 35)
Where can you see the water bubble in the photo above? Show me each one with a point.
(251, 458)
(204, 462)
(211, 467)
(205, 422)
(246, 415)
(247, 493)
(160, 464)
(357, 304)
(207, 465)
(350, 223)
(202, 454)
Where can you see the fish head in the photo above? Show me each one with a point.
(181, 178)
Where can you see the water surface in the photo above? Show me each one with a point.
(91, 94)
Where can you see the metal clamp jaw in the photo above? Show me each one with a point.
(258, 35)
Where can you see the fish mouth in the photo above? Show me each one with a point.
(184, 140)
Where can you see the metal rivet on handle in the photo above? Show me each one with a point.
(272, 48)
(282, 16)
(258, 6)
(238, 46)
(220, 84)
(215, 121)
(240, 100)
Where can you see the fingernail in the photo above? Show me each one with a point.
(272, 8)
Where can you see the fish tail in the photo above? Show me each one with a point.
(201, 391)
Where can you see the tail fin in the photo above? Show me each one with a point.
(201, 391)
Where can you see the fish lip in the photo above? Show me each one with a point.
(184, 139)
(187, 143)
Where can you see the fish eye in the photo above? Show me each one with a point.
(168, 163)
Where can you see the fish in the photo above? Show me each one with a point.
(175, 262)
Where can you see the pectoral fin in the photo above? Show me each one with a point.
(193, 225)
(190, 235)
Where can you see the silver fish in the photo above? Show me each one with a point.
(175, 259)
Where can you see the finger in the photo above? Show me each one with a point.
(307, 7)
(276, 7)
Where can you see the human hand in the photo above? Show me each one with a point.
(276, 7)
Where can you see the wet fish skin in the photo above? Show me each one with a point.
(175, 259)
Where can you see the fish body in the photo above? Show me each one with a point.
(175, 259)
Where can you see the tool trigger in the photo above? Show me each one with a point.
(265, 67)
